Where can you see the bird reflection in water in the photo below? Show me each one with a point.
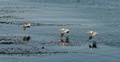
(93, 46)
(65, 42)
(26, 38)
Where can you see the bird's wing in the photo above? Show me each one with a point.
(66, 31)
(94, 34)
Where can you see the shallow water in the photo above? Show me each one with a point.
(47, 16)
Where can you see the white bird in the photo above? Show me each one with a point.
(92, 34)
(63, 31)
(27, 25)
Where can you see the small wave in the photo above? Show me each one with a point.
(38, 24)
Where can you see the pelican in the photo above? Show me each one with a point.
(92, 34)
(28, 25)
(63, 31)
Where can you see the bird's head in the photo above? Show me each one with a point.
(89, 32)
(62, 29)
